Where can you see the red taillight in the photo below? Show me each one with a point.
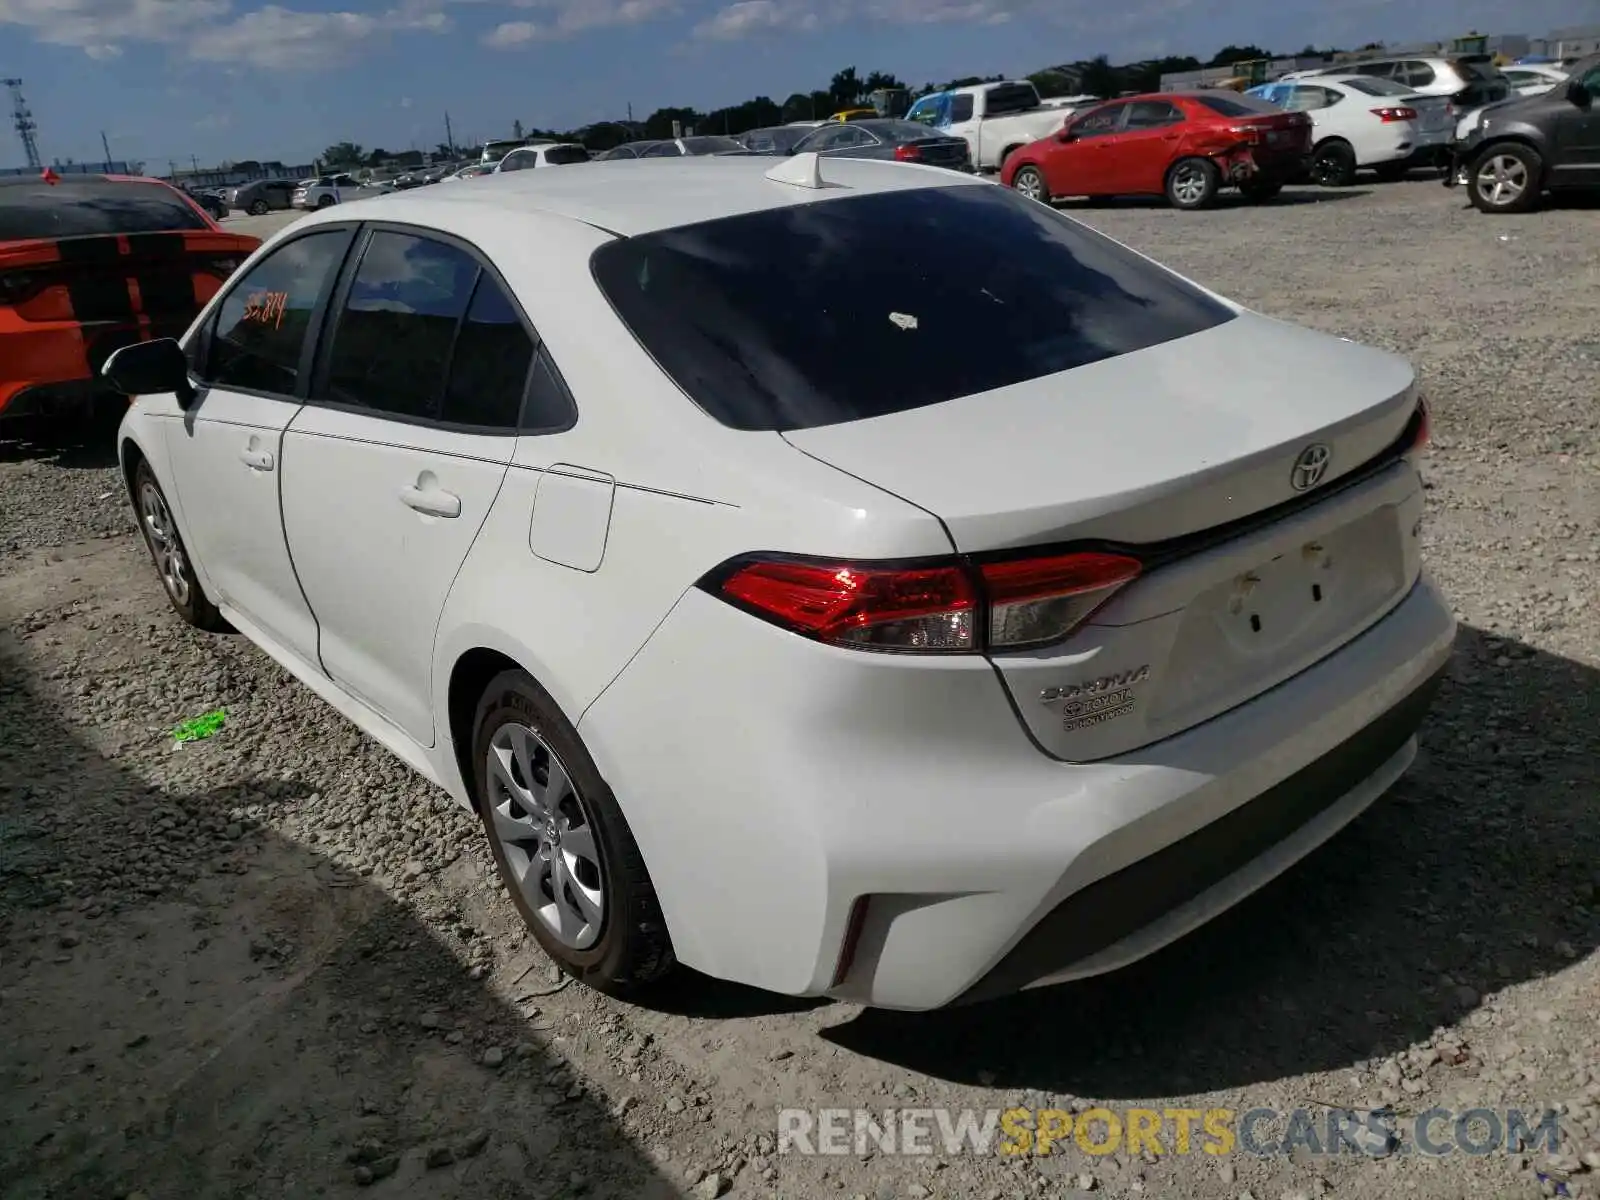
(927, 609)
(1388, 115)
(1035, 601)
(1249, 133)
(944, 608)
(908, 153)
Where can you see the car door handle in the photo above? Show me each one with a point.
(433, 502)
(256, 460)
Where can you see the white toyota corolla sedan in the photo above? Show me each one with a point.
(849, 579)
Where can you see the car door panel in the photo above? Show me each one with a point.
(1142, 149)
(380, 516)
(1078, 167)
(395, 462)
(226, 450)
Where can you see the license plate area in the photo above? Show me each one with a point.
(1258, 627)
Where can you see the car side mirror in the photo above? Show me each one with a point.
(1578, 93)
(1068, 134)
(150, 368)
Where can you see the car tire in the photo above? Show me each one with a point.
(1030, 182)
(1259, 191)
(171, 558)
(1392, 172)
(324, 201)
(1192, 184)
(1333, 164)
(579, 842)
(259, 208)
(1507, 178)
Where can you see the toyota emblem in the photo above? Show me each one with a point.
(1310, 467)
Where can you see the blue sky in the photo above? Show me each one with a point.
(167, 79)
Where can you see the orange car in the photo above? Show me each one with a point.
(89, 263)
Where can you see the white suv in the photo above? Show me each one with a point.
(546, 154)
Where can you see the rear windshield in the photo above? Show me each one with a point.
(1373, 86)
(1235, 104)
(1010, 98)
(72, 209)
(562, 156)
(840, 310)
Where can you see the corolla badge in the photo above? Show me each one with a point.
(1310, 467)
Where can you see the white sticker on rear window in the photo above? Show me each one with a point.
(903, 320)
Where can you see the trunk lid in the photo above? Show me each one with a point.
(1157, 444)
(1172, 449)
(1435, 114)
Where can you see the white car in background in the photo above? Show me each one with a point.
(1534, 79)
(843, 577)
(328, 190)
(994, 118)
(546, 154)
(1363, 123)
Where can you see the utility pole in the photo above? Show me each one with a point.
(449, 137)
(22, 122)
(630, 112)
(106, 146)
(195, 163)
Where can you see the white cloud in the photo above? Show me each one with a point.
(747, 18)
(284, 39)
(562, 18)
(511, 34)
(99, 27)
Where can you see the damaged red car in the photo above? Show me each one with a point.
(1186, 146)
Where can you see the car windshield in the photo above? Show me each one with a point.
(74, 208)
(561, 156)
(840, 310)
(710, 145)
(1373, 86)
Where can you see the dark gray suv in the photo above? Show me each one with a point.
(1519, 149)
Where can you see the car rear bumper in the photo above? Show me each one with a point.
(45, 366)
(804, 809)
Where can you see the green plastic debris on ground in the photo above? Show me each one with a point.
(197, 729)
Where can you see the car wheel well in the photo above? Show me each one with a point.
(1335, 140)
(468, 679)
(1510, 139)
(131, 457)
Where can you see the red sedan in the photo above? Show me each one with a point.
(1186, 146)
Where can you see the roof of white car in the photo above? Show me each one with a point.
(633, 197)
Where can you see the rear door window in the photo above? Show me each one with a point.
(391, 346)
(1009, 98)
(1151, 114)
(74, 208)
(847, 309)
(564, 156)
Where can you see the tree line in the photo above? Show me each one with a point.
(847, 89)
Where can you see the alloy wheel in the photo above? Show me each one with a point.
(1188, 184)
(162, 533)
(1029, 183)
(1502, 179)
(547, 836)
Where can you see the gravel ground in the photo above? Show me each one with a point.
(276, 963)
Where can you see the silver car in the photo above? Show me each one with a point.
(262, 195)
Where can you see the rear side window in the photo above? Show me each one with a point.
(425, 334)
(489, 365)
(83, 209)
(261, 327)
(391, 348)
(1150, 114)
(564, 156)
(842, 310)
(1374, 86)
(1009, 98)
(1234, 105)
